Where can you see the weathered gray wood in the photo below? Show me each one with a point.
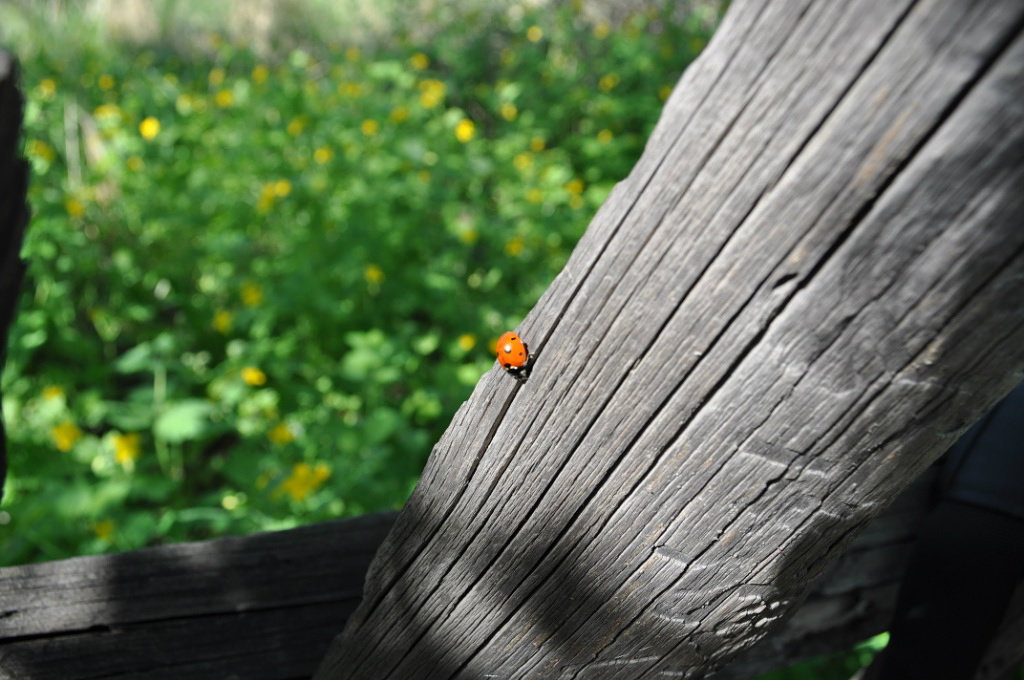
(807, 288)
(260, 606)
(854, 600)
(252, 607)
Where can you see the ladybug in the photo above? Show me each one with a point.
(514, 356)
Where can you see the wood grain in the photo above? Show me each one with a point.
(806, 289)
(265, 606)
(259, 606)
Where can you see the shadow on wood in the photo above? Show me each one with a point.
(265, 606)
(806, 289)
(259, 606)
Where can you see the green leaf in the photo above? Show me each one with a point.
(185, 420)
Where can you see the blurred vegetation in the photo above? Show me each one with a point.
(262, 281)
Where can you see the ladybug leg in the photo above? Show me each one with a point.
(522, 374)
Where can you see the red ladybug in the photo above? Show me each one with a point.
(514, 356)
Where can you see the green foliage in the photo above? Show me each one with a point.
(836, 667)
(259, 286)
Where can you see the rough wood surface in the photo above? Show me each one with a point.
(807, 288)
(253, 607)
(260, 606)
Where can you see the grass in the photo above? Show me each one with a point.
(264, 273)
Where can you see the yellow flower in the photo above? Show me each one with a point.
(305, 479)
(534, 33)
(110, 112)
(605, 136)
(266, 197)
(149, 128)
(537, 144)
(253, 376)
(431, 92)
(42, 150)
(106, 81)
(399, 113)
(322, 155)
(74, 207)
(126, 449)
(47, 87)
(468, 235)
(419, 61)
(467, 341)
(216, 77)
(222, 321)
(601, 30)
(514, 246)
(53, 392)
(509, 111)
(535, 195)
(465, 130)
(350, 89)
(65, 435)
(523, 160)
(295, 126)
(281, 434)
(259, 74)
(369, 127)
(574, 187)
(252, 294)
(230, 501)
(282, 188)
(608, 82)
(224, 99)
(104, 529)
(373, 274)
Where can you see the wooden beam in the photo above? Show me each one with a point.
(806, 289)
(259, 606)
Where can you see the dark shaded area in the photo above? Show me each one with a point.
(13, 214)
(268, 605)
(260, 606)
(969, 557)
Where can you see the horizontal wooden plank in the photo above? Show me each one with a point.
(270, 644)
(258, 606)
(191, 579)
